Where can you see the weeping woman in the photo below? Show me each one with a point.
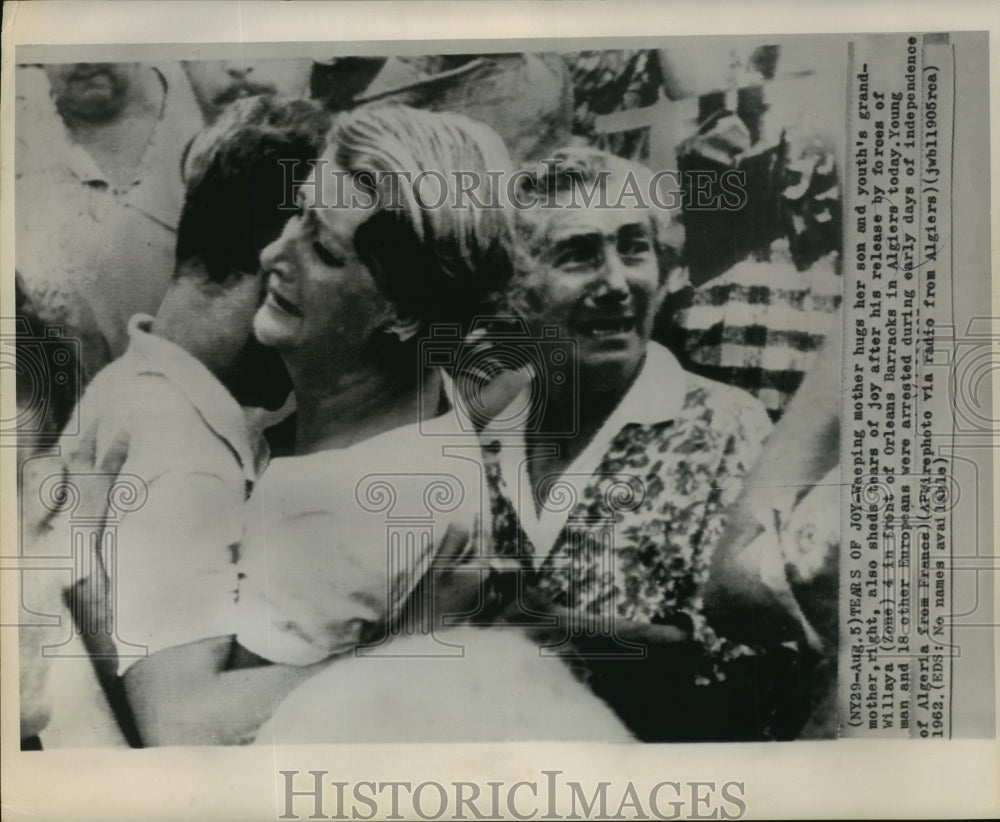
(401, 239)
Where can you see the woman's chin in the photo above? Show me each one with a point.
(272, 331)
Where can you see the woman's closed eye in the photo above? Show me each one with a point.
(326, 256)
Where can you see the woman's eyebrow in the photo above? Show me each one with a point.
(321, 232)
(574, 234)
(301, 196)
(635, 229)
(576, 242)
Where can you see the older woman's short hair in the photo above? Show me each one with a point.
(440, 244)
(238, 188)
(573, 178)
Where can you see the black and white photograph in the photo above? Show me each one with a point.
(623, 394)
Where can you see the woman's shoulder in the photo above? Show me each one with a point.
(432, 458)
(293, 486)
(726, 403)
(432, 467)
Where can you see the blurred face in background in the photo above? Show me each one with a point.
(92, 91)
(217, 83)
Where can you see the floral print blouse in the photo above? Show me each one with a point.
(636, 543)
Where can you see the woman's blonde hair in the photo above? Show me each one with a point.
(439, 258)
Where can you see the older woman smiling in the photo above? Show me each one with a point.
(613, 501)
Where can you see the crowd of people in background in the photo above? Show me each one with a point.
(592, 539)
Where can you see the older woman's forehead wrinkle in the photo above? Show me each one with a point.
(592, 222)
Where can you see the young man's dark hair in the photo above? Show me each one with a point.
(238, 193)
(171, 414)
(240, 176)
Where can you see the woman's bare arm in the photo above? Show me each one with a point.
(191, 694)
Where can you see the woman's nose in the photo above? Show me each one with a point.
(613, 274)
(274, 257)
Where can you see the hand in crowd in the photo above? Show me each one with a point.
(454, 589)
(747, 597)
(90, 599)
